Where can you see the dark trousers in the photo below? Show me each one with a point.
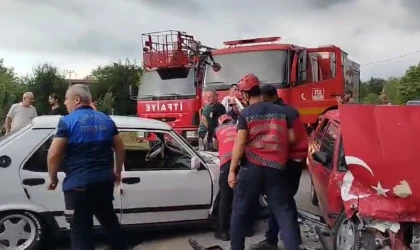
(82, 204)
(294, 172)
(226, 197)
(252, 181)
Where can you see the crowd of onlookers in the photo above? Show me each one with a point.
(21, 114)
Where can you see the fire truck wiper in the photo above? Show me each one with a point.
(216, 82)
(143, 95)
(172, 94)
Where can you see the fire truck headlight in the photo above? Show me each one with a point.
(191, 134)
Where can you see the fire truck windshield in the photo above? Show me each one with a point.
(268, 66)
(167, 83)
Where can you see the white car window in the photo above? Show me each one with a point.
(150, 151)
(37, 162)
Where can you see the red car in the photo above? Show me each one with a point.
(363, 163)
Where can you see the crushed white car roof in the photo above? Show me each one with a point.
(51, 121)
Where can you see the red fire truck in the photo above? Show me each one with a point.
(310, 79)
(170, 89)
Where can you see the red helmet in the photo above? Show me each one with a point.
(224, 118)
(248, 82)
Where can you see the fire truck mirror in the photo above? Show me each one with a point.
(303, 63)
(133, 90)
(216, 67)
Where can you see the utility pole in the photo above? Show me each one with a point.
(70, 72)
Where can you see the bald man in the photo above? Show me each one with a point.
(21, 114)
(84, 146)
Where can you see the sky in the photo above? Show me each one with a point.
(80, 35)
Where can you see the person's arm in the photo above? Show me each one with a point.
(215, 141)
(56, 151)
(9, 118)
(35, 114)
(119, 150)
(291, 116)
(205, 116)
(240, 144)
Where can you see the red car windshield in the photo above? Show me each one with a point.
(269, 66)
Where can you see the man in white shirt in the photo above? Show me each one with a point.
(233, 92)
(21, 114)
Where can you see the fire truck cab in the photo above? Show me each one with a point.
(310, 79)
(170, 88)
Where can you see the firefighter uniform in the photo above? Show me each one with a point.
(225, 134)
(262, 170)
(297, 161)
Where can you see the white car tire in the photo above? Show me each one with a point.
(20, 230)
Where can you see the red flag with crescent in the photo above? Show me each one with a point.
(382, 149)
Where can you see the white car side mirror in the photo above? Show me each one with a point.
(195, 163)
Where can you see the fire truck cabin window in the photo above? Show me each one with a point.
(268, 66)
(321, 66)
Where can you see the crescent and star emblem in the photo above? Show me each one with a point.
(349, 178)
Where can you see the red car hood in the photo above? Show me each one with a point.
(382, 149)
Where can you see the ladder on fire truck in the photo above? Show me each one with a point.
(169, 49)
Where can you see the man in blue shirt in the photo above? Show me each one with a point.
(84, 146)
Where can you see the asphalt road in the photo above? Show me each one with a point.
(178, 240)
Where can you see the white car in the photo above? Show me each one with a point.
(164, 181)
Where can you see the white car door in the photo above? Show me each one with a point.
(34, 176)
(154, 193)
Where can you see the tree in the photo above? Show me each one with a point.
(391, 89)
(106, 103)
(375, 85)
(409, 86)
(46, 79)
(116, 78)
(364, 90)
(11, 90)
(371, 98)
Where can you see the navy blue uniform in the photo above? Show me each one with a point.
(89, 184)
(266, 155)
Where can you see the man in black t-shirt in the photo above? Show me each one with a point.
(55, 106)
(211, 113)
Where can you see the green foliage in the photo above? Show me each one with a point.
(116, 78)
(409, 86)
(391, 90)
(45, 80)
(371, 98)
(106, 103)
(11, 90)
(375, 85)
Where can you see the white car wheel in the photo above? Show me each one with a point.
(19, 231)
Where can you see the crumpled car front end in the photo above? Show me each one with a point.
(380, 187)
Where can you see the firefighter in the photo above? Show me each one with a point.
(264, 135)
(223, 140)
(296, 163)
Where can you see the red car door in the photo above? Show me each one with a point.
(325, 141)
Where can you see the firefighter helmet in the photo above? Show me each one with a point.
(224, 118)
(248, 82)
